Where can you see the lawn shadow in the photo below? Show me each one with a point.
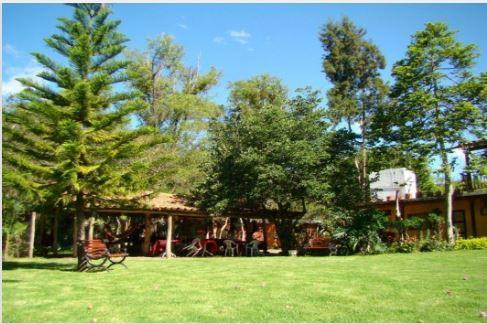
(13, 265)
(9, 280)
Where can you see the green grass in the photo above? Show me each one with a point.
(386, 288)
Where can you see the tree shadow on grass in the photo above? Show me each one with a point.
(13, 265)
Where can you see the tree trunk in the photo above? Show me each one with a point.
(223, 227)
(365, 178)
(169, 238)
(80, 216)
(91, 227)
(448, 194)
(75, 236)
(285, 232)
(32, 234)
(399, 216)
(147, 235)
(244, 234)
(80, 221)
(7, 245)
(55, 236)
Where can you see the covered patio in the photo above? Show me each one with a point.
(167, 222)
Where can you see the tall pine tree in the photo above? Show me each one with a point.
(438, 101)
(71, 131)
(352, 65)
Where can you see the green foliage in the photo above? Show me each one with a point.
(344, 185)
(433, 244)
(70, 133)
(268, 153)
(471, 244)
(435, 109)
(352, 64)
(404, 246)
(177, 104)
(360, 231)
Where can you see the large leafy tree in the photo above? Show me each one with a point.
(177, 104)
(437, 106)
(70, 134)
(267, 154)
(352, 64)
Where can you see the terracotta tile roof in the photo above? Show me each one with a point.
(170, 202)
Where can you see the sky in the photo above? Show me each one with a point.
(244, 40)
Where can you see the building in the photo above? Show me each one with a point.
(385, 184)
(469, 211)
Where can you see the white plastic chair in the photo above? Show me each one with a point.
(253, 247)
(230, 247)
(194, 247)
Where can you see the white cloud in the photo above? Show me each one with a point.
(183, 26)
(241, 36)
(250, 49)
(12, 86)
(218, 40)
(9, 49)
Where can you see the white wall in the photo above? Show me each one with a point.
(385, 183)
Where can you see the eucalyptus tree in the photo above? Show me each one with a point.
(352, 64)
(439, 104)
(70, 132)
(177, 104)
(267, 154)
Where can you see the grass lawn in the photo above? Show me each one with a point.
(430, 287)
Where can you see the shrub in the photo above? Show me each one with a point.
(406, 246)
(471, 244)
(360, 233)
(433, 245)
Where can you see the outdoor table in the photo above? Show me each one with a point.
(210, 246)
(240, 246)
(159, 246)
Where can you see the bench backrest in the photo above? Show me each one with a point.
(320, 242)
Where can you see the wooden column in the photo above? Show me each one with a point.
(91, 227)
(147, 234)
(169, 237)
(55, 225)
(32, 234)
(264, 229)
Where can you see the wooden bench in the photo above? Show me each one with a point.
(321, 245)
(94, 254)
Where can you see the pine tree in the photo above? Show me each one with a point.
(352, 65)
(439, 104)
(71, 134)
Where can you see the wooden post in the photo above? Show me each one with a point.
(55, 237)
(91, 226)
(264, 229)
(147, 234)
(32, 234)
(169, 237)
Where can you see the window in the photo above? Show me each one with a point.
(459, 222)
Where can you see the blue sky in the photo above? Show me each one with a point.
(243, 40)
